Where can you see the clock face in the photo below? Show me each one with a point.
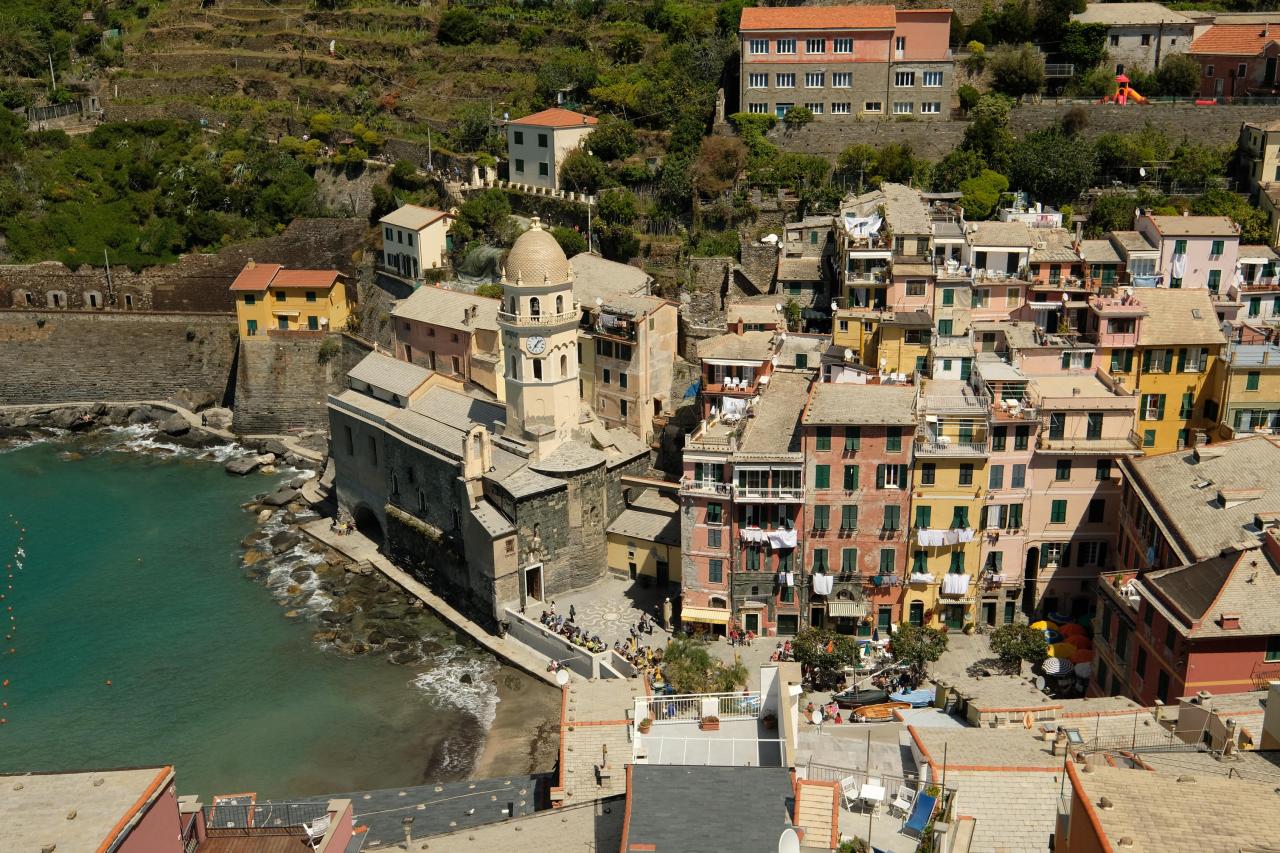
(536, 344)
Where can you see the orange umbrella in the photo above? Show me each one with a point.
(1082, 642)
(1071, 629)
(1082, 656)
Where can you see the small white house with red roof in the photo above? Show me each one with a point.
(538, 144)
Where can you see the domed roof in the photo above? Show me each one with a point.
(536, 256)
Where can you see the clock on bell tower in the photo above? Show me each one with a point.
(539, 324)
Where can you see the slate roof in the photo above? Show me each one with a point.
(1244, 584)
(1195, 226)
(1178, 318)
(35, 813)
(863, 405)
(1199, 525)
(749, 346)
(818, 18)
(1132, 241)
(597, 278)
(1012, 234)
(1193, 588)
(1013, 812)
(440, 306)
(494, 522)
(1057, 246)
(1200, 814)
(570, 457)
(1131, 14)
(685, 809)
(1232, 40)
(413, 217)
(557, 118)
(905, 210)
(1099, 252)
(800, 269)
(524, 482)
(663, 528)
(776, 425)
(388, 374)
(754, 312)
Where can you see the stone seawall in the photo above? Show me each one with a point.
(1217, 125)
(65, 356)
(282, 383)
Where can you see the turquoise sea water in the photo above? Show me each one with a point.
(132, 574)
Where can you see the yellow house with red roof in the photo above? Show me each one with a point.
(270, 298)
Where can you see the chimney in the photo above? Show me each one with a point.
(249, 264)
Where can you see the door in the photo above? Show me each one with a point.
(533, 582)
(989, 613)
(915, 614)
(664, 574)
(313, 322)
(1217, 86)
(752, 622)
(818, 617)
(953, 616)
(884, 621)
(1269, 78)
(282, 323)
(1009, 608)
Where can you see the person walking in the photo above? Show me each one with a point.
(573, 614)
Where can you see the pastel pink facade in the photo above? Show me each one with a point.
(158, 829)
(1195, 251)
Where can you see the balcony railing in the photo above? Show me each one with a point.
(542, 319)
(928, 445)
(1266, 282)
(692, 707)
(1102, 444)
(690, 486)
(235, 819)
(791, 494)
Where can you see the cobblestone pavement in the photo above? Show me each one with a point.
(611, 607)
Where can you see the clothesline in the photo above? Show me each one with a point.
(933, 538)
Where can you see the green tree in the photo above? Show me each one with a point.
(618, 242)
(617, 207)
(982, 194)
(613, 139)
(675, 185)
(690, 668)
(988, 132)
(824, 654)
(968, 96)
(485, 213)
(489, 290)
(1053, 167)
(857, 161)
(797, 117)
(958, 166)
(1199, 167)
(1253, 222)
(459, 25)
(1114, 211)
(917, 647)
(1178, 74)
(1015, 643)
(1014, 24)
(897, 163)
(1084, 45)
(571, 242)
(720, 160)
(1017, 71)
(473, 129)
(583, 172)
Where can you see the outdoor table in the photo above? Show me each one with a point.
(872, 795)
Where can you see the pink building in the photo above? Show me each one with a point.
(841, 62)
(450, 332)
(735, 366)
(1194, 251)
(1237, 60)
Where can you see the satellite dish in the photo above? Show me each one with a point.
(788, 841)
(835, 306)
(1142, 170)
(817, 716)
(777, 306)
(562, 677)
(1040, 682)
(848, 355)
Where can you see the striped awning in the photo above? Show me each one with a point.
(846, 608)
(712, 615)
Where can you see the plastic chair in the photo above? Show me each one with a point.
(902, 800)
(316, 829)
(848, 793)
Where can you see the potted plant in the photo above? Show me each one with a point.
(969, 628)
(770, 721)
(645, 725)
(709, 724)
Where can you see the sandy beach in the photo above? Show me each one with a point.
(525, 736)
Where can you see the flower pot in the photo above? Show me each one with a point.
(709, 724)
(644, 726)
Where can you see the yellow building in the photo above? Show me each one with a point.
(949, 478)
(644, 540)
(269, 297)
(1251, 399)
(1175, 366)
(887, 341)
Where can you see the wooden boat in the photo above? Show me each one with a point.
(879, 713)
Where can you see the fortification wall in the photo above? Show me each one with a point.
(196, 282)
(58, 356)
(282, 382)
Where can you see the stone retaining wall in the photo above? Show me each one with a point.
(59, 356)
(281, 384)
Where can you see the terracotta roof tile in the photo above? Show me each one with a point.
(256, 278)
(556, 117)
(1234, 40)
(818, 18)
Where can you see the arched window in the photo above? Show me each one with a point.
(564, 366)
(535, 307)
(559, 304)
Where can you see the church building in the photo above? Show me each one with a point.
(499, 506)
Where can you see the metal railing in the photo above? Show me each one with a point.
(722, 752)
(705, 487)
(235, 819)
(931, 445)
(542, 319)
(1090, 445)
(693, 707)
(768, 493)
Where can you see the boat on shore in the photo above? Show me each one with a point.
(881, 713)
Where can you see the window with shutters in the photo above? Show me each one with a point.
(888, 557)
(1152, 407)
(959, 517)
(1057, 425)
(1018, 478)
(715, 571)
(924, 515)
(1021, 437)
(1058, 512)
(999, 436)
(848, 560)
(851, 478)
(1013, 517)
(928, 473)
(890, 476)
(1193, 360)
(820, 560)
(957, 563)
(966, 473)
(849, 517)
(852, 439)
(1097, 510)
(1188, 405)
(822, 476)
(1062, 470)
(1102, 470)
(893, 440)
(821, 518)
(995, 477)
(892, 518)
(823, 436)
(1093, 426)
(1215, 249)
(1251, 380)
(920, 562)
(1121, 361)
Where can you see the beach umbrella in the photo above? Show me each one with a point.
(1051, 636)
(1062, 650)
(1084, 670)
(1080, 642)
(1071, 629)
(1044, 625)
(1057, 666)
(1082, 656)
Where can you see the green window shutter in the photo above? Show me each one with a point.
(1146, 361)
(1160, 407)
(887, 559)
(892, 520)
(1251, 380)
(851, 478)
(902, 476)
(821, 517)
(957, 563)
(920, 562)
(1013, 517)
(822, 476)
(1088, 359)
(852, 438)
(1065, 559)
(824, 438)
(849, 516)
(849, 560)
(1188, 403)
(924, 514)
(1066, 360)
(880, 476)
(1058, 512)
(982, 518)
(1182, 360)
(1044, 556)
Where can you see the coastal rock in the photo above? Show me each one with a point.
(64, 418)
(241, 465)
(117, 415)
(253, 557)
(142, 415)
(193, 400)
(302, 574)
(406, 656)
(273, 445)
(253, 538)
(14, 432)
(280, 497)
(333, 617)
(283, 541)
(175, 424)
(217, 418)
(264, 516)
